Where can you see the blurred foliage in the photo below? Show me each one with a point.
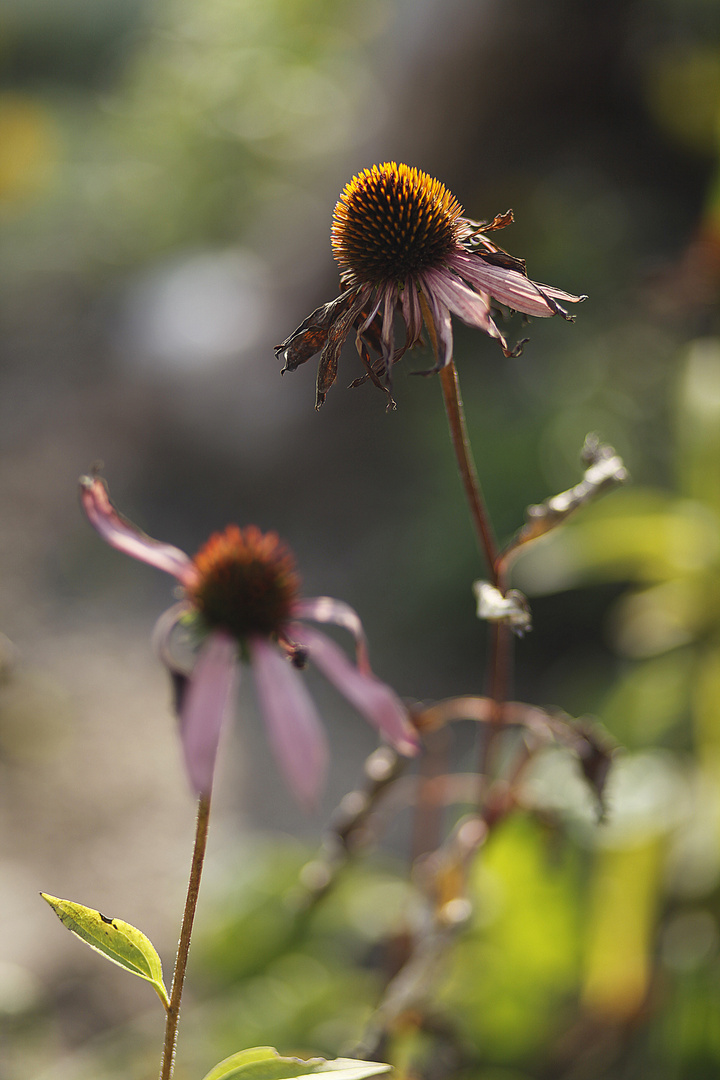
(668, 696)
(190, 140)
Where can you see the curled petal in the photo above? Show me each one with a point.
(163, 633)
(336, 336)
(328, 610)
(123, 535)
(292, 720)
(204, 706)
(312, 334)
(372, 698)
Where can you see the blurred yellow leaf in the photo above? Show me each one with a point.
(28, 148)
(620, 932)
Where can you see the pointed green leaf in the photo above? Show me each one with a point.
(264, 1063)
(115, 939)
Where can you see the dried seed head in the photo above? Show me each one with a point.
(391, 222)
(246, 582)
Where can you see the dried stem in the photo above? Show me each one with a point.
(352, 827)
(167, 1063)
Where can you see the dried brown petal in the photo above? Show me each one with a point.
(312, 334)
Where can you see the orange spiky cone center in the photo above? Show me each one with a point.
(392, 222)
(246, 582)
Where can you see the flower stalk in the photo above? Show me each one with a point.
(500, 664)
(455, 411)
(468, 473)
(241, 598)
(403, 246)
(167, 1064)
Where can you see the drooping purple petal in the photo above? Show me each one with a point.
(372, 698)
(411, 312)
(325, 609)
(443, 328)
(511, 287)
(373, 312)
(472, 307)
(123, 535)
(205, 704)
(387, 336)
(293, 724)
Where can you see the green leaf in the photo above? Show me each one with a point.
(115, 939)
(264, 1063)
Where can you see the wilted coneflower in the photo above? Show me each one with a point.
(403, 245)
(242, 603)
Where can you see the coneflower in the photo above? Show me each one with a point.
(403, 246)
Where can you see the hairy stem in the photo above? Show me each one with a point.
(167, 1063)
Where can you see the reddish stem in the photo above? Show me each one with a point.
(167, 1063)
(500, 663)
(468, 473)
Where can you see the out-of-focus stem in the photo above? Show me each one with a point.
(167, 1063)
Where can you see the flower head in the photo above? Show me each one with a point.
(245, 582)
(403, 246)
(242, 600)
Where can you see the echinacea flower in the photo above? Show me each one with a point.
(403, 246)
(241, 599)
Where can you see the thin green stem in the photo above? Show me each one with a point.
(167, 1063)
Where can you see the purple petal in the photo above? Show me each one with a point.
(387, 336)
(123, 535)
(205, 702)
(470, 306)
(511, 287)
(443, 326)
(372, 698)
(373, 312)
(411, 311)
(327, 610)
(164, 630)
(294, 727)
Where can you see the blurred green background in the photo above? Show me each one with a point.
(168, 171)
